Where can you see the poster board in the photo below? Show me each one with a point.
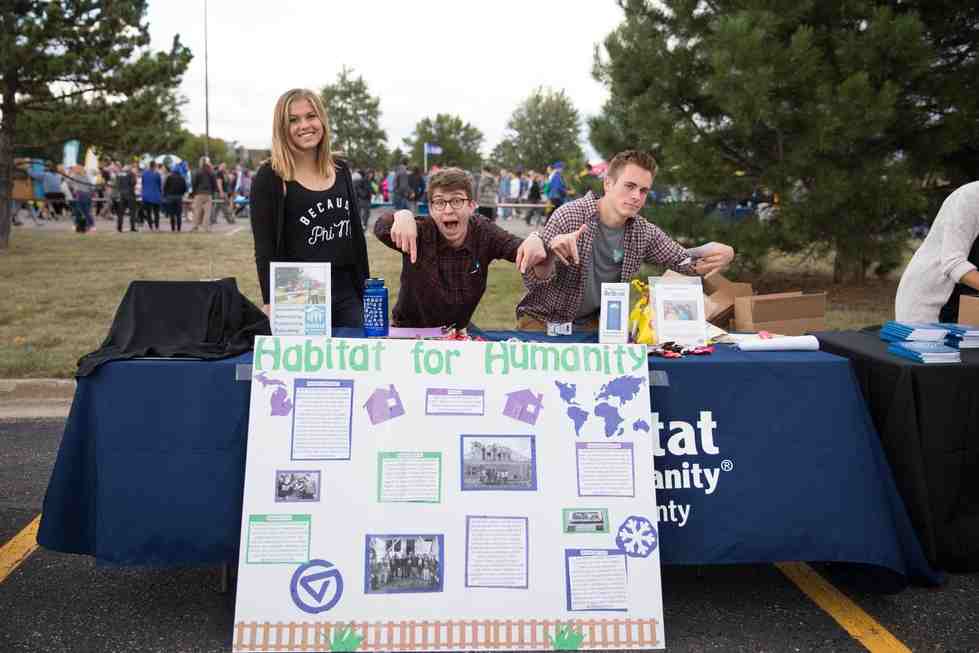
(301, 299)
(422, 495)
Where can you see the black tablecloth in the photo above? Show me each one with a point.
(928, 420)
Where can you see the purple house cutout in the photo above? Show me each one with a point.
(384, 404)
(523, 405)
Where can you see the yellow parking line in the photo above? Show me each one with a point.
(16, 550)
(861, 626)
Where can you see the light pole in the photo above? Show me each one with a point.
(207, 115)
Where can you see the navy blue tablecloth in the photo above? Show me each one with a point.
(783, 465)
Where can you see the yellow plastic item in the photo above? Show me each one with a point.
(641, 316)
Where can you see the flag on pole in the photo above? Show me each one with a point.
(432, 148)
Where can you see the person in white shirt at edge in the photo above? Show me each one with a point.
(515, 189)
(944, 267)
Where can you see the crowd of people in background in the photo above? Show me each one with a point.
(141, 193)
(207, 193)
(501, 193)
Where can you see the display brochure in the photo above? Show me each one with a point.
(613, 325)
(301, 299)
(894, 331)
(925, 352)
(962, 336)
(421, 495)
(678, 310)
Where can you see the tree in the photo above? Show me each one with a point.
(147, 121)
(947, 145)
(80, 69)
(460, 142)
(541, 130)
(395, 158)
(218, 151)
(807, 99)
(505, 154)
(354, 116)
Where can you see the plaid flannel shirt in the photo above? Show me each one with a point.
(557, 298)
(443, 287)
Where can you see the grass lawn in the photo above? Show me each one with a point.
(60, 289)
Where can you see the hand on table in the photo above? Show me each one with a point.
(404, 233)
(565, 246)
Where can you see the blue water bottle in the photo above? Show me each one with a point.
(375, 309)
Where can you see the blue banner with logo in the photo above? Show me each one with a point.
(773, 457)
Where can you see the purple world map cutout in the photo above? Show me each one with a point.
(610, 398)
(279, 403)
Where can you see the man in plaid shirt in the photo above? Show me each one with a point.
(590, 241)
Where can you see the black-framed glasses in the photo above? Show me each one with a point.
(455, 202)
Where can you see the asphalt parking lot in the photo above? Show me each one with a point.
(55, 602)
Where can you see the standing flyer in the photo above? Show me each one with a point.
(613, 326)
(301, 299)
(678, 310)
(445, 495)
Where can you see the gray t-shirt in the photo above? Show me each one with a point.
(605, 267)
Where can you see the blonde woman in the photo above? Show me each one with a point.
(303, 206)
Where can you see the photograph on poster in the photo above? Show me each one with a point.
(579, 520)
(403, 563)
(297, 485)
(498, 462)
(298, 285)
(679, 310)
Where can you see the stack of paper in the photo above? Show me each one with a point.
(913, 332)
(925, 352)
(962, 336)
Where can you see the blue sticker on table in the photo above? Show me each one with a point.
(316, 586)
(637, 537)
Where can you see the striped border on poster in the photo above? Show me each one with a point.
(473, 634)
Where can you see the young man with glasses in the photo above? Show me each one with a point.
(594, 240)
(445, 260)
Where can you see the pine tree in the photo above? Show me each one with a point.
(355, 116)
(81, 69)
(810, 99)
(543, 129)
(459, 140)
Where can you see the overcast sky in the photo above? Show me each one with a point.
(477, 60)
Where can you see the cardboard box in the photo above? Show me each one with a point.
(969, 310)
(720, 295)
(786, 313)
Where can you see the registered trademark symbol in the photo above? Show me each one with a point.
(727, 465)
